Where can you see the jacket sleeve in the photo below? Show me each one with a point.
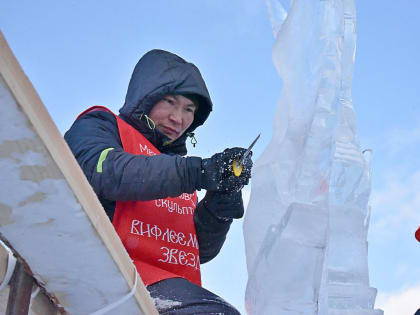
(211, 232)
(123, 176)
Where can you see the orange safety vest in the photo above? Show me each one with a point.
(159, 235)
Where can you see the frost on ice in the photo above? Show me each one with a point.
(306, 224)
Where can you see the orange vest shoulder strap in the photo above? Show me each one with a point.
(95, 109)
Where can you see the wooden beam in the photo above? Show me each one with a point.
(20, 291)
(3, 263)
(41, 304)
(31, 104)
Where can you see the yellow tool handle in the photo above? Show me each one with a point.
(237, 168)
(237, 165)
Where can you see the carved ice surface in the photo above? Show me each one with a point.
(306, 224)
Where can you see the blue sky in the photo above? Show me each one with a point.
(81, 53)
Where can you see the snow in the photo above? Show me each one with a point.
(306, 224)
(162, 304)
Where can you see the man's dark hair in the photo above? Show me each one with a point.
(193, 98)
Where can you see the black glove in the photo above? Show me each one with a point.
(224, 206)
(217, 172)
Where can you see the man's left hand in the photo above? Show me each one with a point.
(224, 205)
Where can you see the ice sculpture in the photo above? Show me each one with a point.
(306, 224)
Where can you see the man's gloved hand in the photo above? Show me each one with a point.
(224, 206)
(217, 172)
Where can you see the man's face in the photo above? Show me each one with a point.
(173, 115)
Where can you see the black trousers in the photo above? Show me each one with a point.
(177, 296)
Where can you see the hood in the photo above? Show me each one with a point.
(159, 73)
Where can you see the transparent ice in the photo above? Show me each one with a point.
(306, 224)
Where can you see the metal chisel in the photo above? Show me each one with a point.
(237, 165)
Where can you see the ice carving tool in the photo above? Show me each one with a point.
(237, 165)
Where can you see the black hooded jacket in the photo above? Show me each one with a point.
(126, 176)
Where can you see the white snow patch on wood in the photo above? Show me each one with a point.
(41, 218)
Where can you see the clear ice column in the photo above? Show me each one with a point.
(286, 223)
(347, 272)
(306, 224)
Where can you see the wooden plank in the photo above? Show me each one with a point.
(40, 121)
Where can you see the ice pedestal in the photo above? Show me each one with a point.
(306, 224)
(350, 297)
(347, 274)
(295, 248)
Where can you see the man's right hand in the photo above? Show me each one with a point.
(217, 172)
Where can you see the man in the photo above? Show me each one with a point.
(134, 163)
